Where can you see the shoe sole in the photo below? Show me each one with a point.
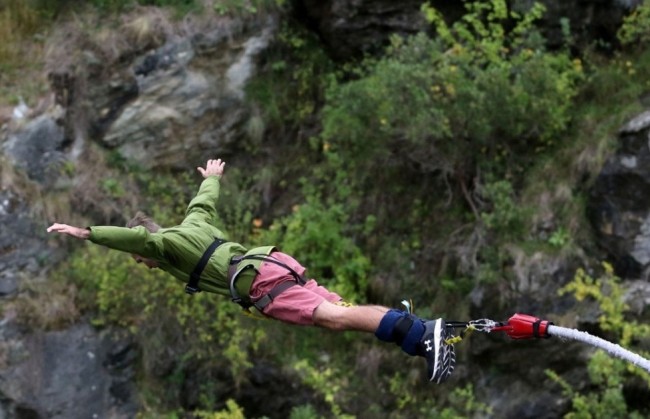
(437, 341)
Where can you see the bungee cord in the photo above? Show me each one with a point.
(612, 348)
(523, 326)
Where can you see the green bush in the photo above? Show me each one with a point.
(505, 216)
(635, 29)
(431, 102)
(172, 326)
(290, 89)
(317, 234)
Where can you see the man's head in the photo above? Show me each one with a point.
(149, 263)
(140, 219)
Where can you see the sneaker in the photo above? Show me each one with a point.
(440, 356)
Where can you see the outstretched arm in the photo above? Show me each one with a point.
(131, 240)
(77, 232)
(203, 207)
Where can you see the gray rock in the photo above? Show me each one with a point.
(619, 205)
(66, 374)
(353, 28)
(636, 124)
(183, 109)
(22, 247)
(36, 149)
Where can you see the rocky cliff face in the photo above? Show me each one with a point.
(351, 29)
(163, 104)
(620, 201)
(177, 96)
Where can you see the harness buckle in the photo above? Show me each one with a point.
(191, 290)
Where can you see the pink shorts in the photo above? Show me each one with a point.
(295, 305)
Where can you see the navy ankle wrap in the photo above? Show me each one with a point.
(403, 328)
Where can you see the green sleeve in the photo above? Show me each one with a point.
(203, 208)
(132, 240)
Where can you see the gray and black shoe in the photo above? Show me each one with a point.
(440, 356)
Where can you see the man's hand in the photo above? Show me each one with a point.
(212, 168)
(79, 233)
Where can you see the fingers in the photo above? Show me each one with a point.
(80, 233)
(60, 228)
(56, 227)
(215, 163)
(213, 167)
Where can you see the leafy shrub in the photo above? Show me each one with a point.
(316, 234)
(171, 326)
(245, 7)
(432, 102)
(232, 411)
(325, 380)
(291, 87)
(504, 215)
(635, 29)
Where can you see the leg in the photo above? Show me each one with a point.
(359, 318)
(312, 304)
(415, 336)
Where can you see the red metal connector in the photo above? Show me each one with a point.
(523, 326)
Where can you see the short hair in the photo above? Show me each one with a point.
(141, 219)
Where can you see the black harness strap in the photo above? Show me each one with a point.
(193, 284)
(268, 258)
(275, 291)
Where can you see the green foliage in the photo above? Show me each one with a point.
(559, 238)
(20, 49)
(164, 196)
(245, 7)
(204, 328)
(304, 412)
(239, 201)
(18, 17)
(324, 379)
(232, 411)
(319, 234)
(464, 405)
(291, 88)
(608, 293)
(112, 187)
(432, 101)
(608, 375)
(460, 402)
(636, 26)
(506, 215)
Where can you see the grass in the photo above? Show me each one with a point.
(21, 52)
(48, 305)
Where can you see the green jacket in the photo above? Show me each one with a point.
(178, 249)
